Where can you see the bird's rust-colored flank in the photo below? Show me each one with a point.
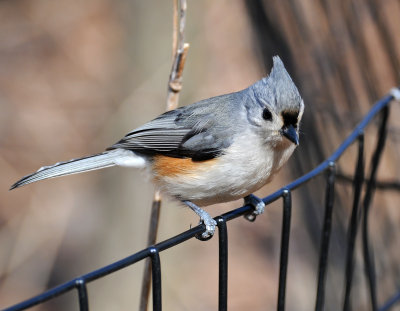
(168, 166)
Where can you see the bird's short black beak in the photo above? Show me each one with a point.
(290, 133)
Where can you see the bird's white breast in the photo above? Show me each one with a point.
(245, 167)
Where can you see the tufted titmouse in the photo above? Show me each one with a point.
(216, 150)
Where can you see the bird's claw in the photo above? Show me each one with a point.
(257, 204)
(205, 219)
(210, 224)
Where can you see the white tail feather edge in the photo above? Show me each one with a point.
(109, 158)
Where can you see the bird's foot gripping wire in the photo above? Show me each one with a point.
(206, 219)
(257, 204)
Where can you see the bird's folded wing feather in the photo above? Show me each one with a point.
(175, 134)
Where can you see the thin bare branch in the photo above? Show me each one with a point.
(175, 30)
(175, 82)
(179, 50)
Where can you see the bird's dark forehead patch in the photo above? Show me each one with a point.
(290, 117)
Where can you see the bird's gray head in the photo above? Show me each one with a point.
(276, 107)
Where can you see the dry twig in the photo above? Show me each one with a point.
(179, 50)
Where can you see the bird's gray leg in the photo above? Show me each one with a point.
(205, 218)
(257, 204)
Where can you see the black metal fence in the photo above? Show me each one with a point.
(360, 205)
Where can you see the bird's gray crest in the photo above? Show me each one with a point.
(278, 90)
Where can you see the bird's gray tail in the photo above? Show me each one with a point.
(93, 162)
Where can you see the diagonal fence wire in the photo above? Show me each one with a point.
(152, 252)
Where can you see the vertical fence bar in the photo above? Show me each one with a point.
(156, 279)
(326, 233)
(367, 251)
(354, 222)
(151, 240)
(82, 295)
(285, 235)
(223, 265)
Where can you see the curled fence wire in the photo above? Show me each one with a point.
(360, 206)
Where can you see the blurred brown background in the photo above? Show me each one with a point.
(76, 76)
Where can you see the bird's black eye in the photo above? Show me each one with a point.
(267, 115)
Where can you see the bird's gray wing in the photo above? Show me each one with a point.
(186, 132)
